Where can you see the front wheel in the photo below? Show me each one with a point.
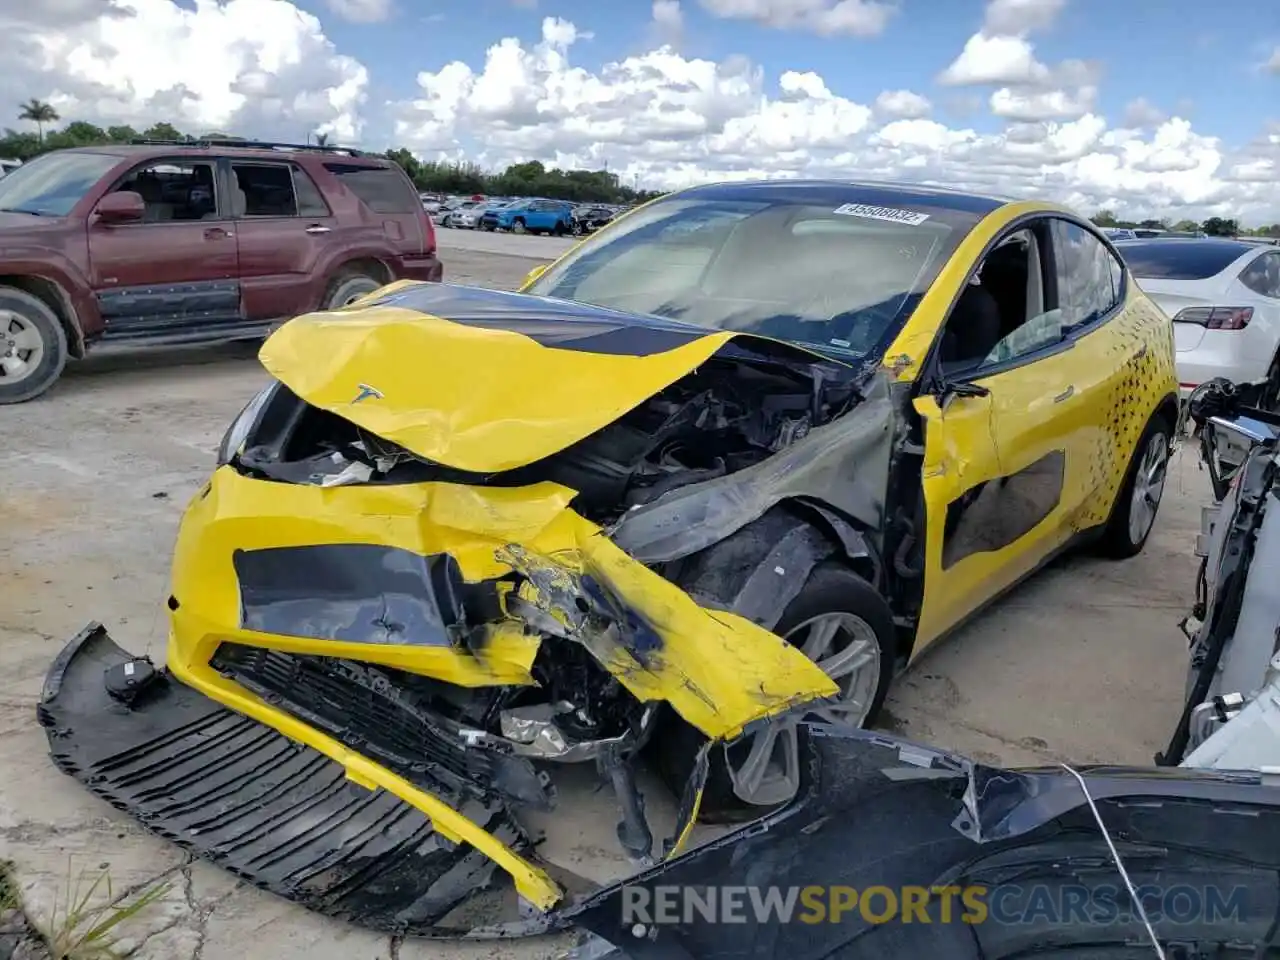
(1134, 514)
(33, 346)
(518, 227)
(840, 622)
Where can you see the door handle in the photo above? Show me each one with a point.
(316, 228)
(217, 233)
(1065, 394)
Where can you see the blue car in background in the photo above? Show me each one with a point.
(554, 217)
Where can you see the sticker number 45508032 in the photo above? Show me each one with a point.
(892, 214)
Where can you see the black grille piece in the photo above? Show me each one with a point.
(362, 707)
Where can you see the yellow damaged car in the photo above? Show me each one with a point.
(730, 463)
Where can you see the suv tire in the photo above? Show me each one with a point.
(518, 227)
(31, 333)
(347, 286)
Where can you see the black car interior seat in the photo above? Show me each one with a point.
(972, 330)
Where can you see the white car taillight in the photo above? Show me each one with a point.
(1216, 318)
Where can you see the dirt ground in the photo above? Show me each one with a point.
(1084, 662)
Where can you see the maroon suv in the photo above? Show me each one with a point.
(192, 242)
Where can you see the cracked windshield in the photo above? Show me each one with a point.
(666, 480)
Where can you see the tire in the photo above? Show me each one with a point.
(347, 286)
(831, 589)
(518, 227)
(33, 346)
(1125, 535)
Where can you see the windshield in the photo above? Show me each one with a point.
(54, 183)
(841, 279)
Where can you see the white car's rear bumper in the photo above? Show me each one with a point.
(1238, 355)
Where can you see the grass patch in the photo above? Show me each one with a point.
(79, 928)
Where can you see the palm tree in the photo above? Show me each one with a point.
(39, 113)
(322, 139)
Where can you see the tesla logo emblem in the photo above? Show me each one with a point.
(367, 392)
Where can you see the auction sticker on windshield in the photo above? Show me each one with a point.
(893, 215)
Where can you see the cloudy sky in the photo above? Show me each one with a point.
(1166, 108)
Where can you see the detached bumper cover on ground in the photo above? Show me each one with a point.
(273, 812)
(875, 811)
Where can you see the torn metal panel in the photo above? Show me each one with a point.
(883, 813)
(844, 463)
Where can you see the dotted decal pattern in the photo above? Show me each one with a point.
(1144, 380)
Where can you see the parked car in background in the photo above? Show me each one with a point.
(488, 212)
(1224, 298)
(8, 165)
(591, 217)
(463, 216)
(1120, 233)
(554, 217)
(191, 242)
(430, 202)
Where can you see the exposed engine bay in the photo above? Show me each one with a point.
(727, 415)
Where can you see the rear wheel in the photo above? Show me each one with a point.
(840, 622)
(347, 287)
(518, 227)
(1134, 514)
(33, 346)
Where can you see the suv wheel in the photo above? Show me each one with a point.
(347, 287)
(33, 346)
(518, 227)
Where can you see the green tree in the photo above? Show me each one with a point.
(1187, 226)
(163, 131)
(38, 112)
(1105, 218)
(1219, 227)
(322, 139)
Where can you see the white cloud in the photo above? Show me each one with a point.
(262, 67)
(266, 68)
(1017, 17)
(902, 103)
(1032, 105)
(362, 11)
(668, 21)
(1273, 62)
(1143, 113)
(995, 59)
(855, 18)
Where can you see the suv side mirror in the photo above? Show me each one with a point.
(123, 206)
(534, 274)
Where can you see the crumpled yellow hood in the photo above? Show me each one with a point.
(481, 380)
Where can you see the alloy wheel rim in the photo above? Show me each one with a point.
(844, 646)
(21, 348)
(1148, 487)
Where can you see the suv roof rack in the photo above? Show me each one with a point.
(252, 145)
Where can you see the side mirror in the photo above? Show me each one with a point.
(123, 206)
(534, 274)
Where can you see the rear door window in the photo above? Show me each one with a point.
(381, 189)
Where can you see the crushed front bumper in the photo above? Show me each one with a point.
(281, 815)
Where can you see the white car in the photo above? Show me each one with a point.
(1224, 298)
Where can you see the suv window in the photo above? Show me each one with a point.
(381, 189)
(174, 190)
(276, 190)
(1263, 276)
(1090, 280)
(54, 183)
